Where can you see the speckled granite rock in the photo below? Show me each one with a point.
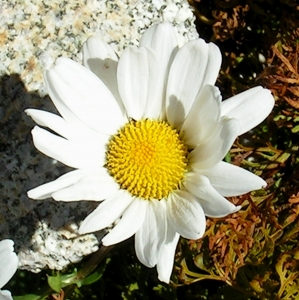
(32, 35)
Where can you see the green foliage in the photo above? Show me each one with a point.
(28, 297)
(55, 282)
(58, 281)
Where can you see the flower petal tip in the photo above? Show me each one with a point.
(164, 279)
(82, 230)
(29, 194)
(236, 209)
(34, 193)
(264, 185)
(260, 184)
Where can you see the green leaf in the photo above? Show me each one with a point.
(295, 129)
(94, 276)
(55, 282)
(228, 158)
(28, 297)
(239, 59)
(69, 279)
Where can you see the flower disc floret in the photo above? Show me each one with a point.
(147, 158)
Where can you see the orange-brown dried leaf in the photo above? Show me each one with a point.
(293, 103)
(294, 199)
(286, 61)
(282, 75)
(227, 23)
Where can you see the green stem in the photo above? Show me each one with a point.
(93, 262)
(89, 267)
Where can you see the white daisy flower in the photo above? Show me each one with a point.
(147, 134)
(8, 266)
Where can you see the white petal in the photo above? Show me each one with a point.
(250, 107)
(150, 238)
(102, 61)
(203, 117)
(5, 295)
(158, 73)
(229, 180)
(186, 215)
(214, 149)
(76, 131)
(165, 264)
(63, 109)
(213, 204)
(46, 190)
(134, 75)
(160, 38)
(77, 185)
(73, 154)
(195, 65)
(107, 212)
(55, 122)
(8, 261)
(95, 186)
(95, 48)
(129, 224)
(85, 95)
(5, 245)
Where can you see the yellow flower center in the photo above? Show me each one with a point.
(147, 158)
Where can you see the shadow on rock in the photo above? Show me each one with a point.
(23, 167)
